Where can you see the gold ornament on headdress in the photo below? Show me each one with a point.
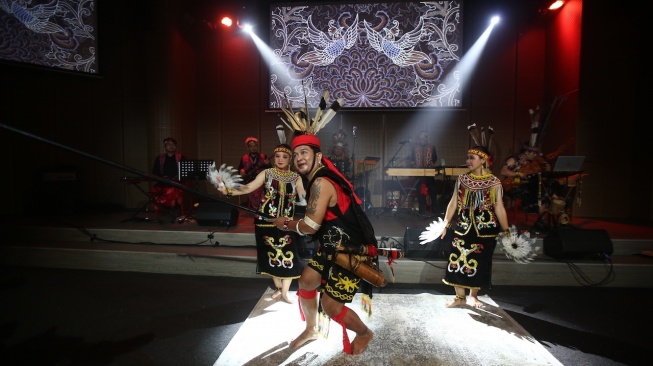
(300, 121)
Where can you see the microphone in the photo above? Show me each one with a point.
(405, 141)
(354, 131)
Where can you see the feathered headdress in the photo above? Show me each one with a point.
(539, 122)
(482, 138)
(300, 121)
(534, 140)
(282, 134)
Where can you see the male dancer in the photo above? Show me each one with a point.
(333, 212)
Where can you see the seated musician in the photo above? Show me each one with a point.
(250, 165)
(165, 165)
(521, 179)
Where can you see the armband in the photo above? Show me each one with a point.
(312, 224)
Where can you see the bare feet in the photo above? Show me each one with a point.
(360, 342)
(275, 295)
(477, 303)
(307, 335)
(286, 299)
(456, 302)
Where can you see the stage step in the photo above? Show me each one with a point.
(106, 243)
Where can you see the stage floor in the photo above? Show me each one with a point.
(415, 329)
(113, 318)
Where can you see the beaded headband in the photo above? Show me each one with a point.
(479, 153)
(283, 149)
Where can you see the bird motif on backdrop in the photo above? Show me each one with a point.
(327, 48)
(401, 51)
(36, 18)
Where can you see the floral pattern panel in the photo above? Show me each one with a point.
(380, 55)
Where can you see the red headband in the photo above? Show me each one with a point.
(250, 139)
(310, 140)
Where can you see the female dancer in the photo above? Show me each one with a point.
(478, 202)
(277, 251)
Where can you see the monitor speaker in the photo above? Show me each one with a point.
(571, 243)
(414, 249)
(216, 214)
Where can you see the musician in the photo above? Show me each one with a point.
(424, 155)
(166, 166)
(340, 154)
(251, 164)
(521, 179)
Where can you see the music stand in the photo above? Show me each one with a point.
(569, 164)
(194, 169)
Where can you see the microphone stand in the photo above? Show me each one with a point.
(353, 159)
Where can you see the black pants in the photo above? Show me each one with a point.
(434, 187)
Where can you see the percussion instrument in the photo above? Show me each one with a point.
(427, 172)
(359, 266)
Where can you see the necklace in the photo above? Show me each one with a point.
(316, 170)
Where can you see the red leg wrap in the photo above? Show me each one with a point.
(345, 338)
(305, 294)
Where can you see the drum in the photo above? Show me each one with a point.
(557, 207)
(564, 219)
(393, 195)
(392, 199)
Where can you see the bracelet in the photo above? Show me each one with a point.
(506, 232)
(230, 192)
(285, 225)
(448, 225)
(297, 228)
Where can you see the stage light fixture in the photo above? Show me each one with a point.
(247, 28)
(227, 21)
(557, 4)
(494, 20)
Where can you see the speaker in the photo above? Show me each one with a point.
(414, 249)
(571, 243)
(216, 214)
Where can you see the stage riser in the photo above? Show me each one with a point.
(230, 262)
(225, 237)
